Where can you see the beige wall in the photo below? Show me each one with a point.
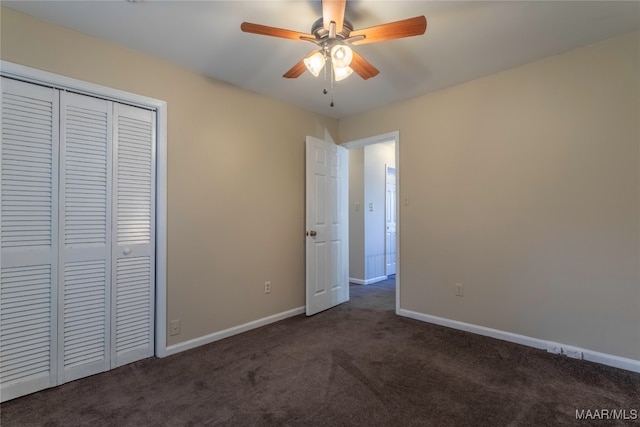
(524, 187)
(235, 176)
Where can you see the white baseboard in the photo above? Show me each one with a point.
(368, 281)
(216, 336)
(590, 355)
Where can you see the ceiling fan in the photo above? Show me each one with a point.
(333, 35)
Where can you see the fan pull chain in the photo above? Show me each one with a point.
(331, 87)
(324, 91)
(328, 65)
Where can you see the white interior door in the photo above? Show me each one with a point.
(390, 221)
(327, 240)
(134, 235)
(85, 236)
(29, 238)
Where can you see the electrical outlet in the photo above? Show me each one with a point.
(459, 290)
(174, 327)
(572, 352)
(267, 287)
(554, 348)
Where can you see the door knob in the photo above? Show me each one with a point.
(312, 233)
(127, 251)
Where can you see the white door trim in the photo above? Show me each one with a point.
(386, 137)
(45, 78)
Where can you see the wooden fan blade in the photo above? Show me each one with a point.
(392, 30)
(362, 67)
(265, 30)
(333, 11)
(298, 69)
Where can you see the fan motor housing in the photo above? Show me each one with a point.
(318, 30)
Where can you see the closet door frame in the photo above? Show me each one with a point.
(44, 78)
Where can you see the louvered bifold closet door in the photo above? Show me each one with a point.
(134, 235)
(85, 236)
(28, 238)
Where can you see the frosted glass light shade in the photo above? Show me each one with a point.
(341, 55)
(342, 73)
(314, 63)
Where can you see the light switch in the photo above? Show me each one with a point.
(357, 207)
(405, 200)
(370, 207)
(174, 327)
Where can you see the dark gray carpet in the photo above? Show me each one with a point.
(355, 365)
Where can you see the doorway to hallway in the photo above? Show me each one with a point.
(373, 208)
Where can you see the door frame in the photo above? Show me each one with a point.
(45, 78)
(376, 139)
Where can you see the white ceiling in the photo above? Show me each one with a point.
(464, 40)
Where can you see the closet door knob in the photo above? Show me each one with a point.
(127, 251)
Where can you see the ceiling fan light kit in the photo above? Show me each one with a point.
(334, 36)
(341, 73)
(314, 63)
(341, 55)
